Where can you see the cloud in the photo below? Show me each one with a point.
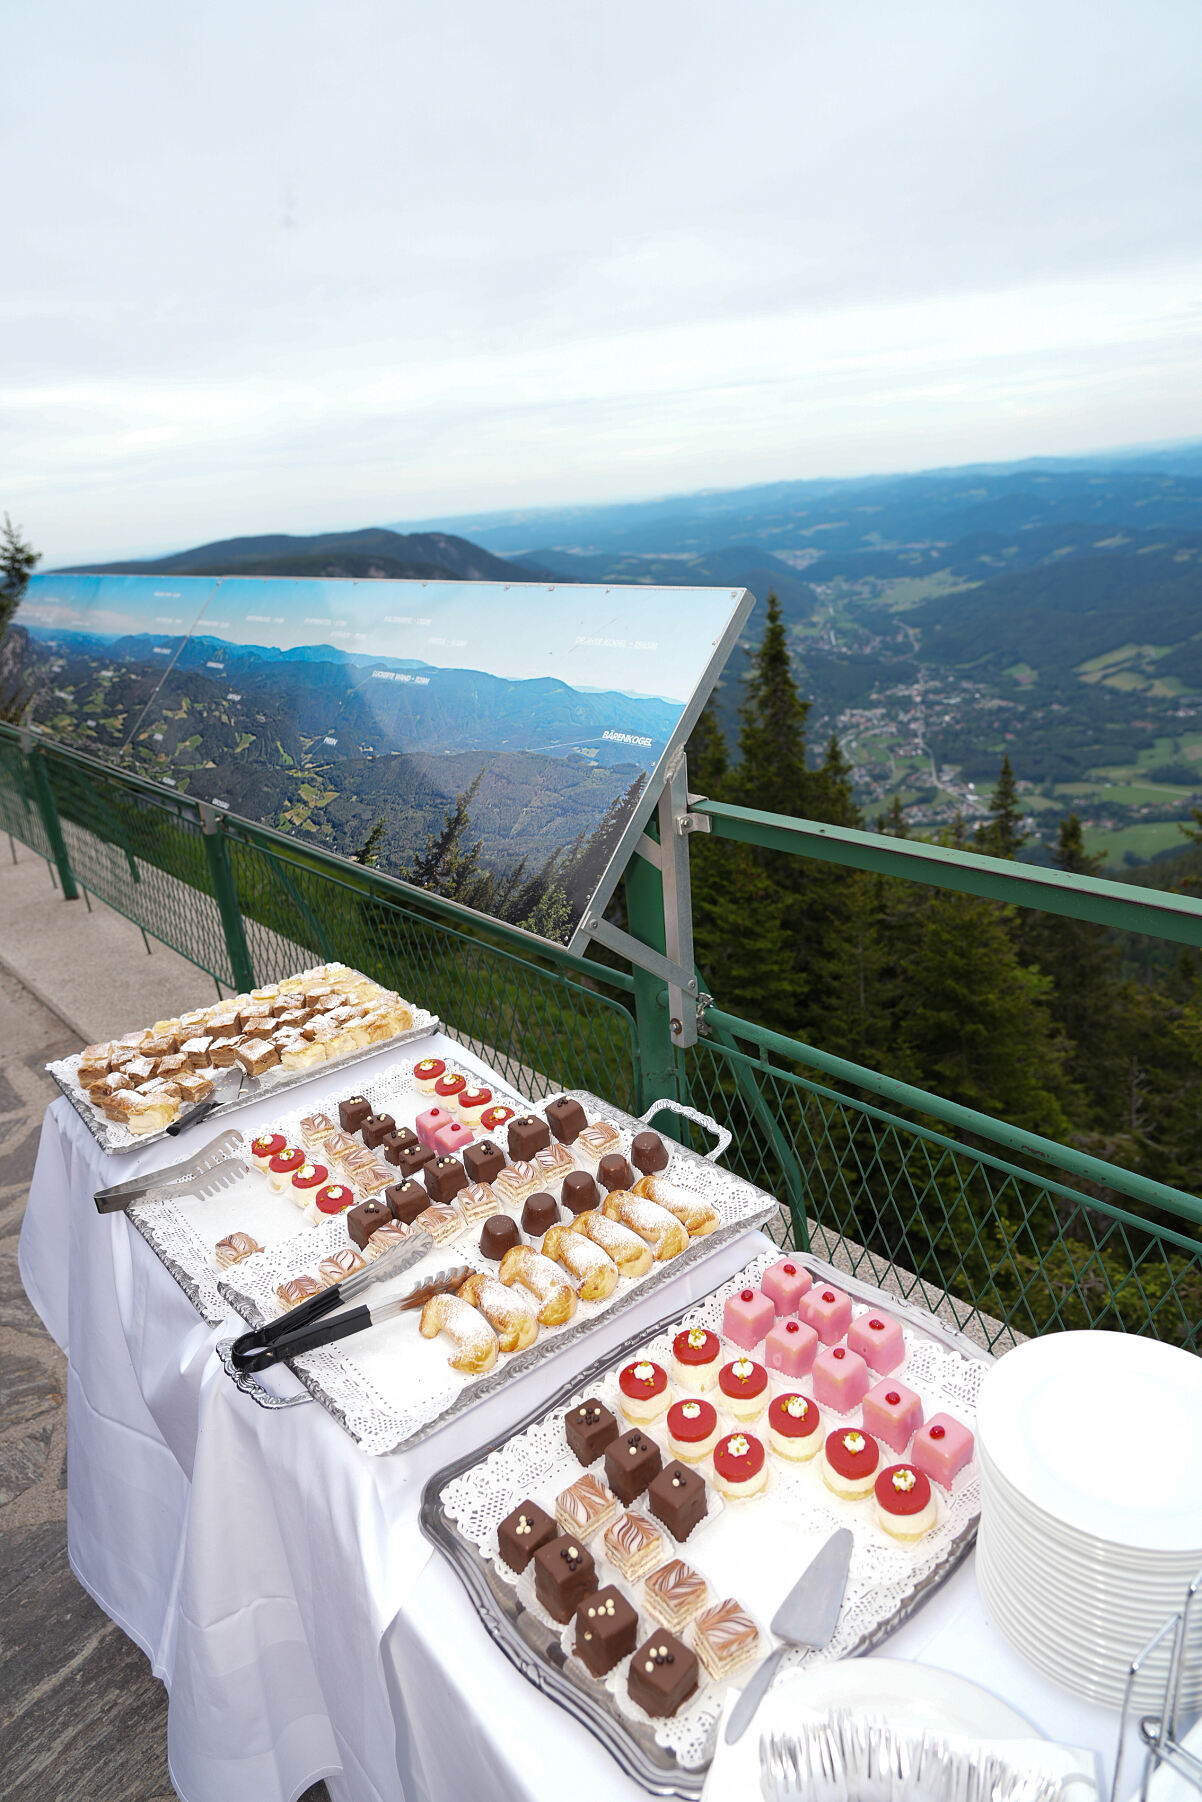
(295, 266)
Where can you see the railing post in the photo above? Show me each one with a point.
(35, 763)
(218, 853)
(645, 913)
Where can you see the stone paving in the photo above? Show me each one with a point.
(81, 1717)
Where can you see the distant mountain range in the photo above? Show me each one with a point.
(376, 551)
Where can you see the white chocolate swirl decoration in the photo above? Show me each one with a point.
(340, 1264)
(631, 1534)
(582, 1502)
(676, 1584)
(727, 1627)
(662, 1231)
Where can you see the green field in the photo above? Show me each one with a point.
(1142, 841)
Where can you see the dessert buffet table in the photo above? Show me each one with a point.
(276, 1574)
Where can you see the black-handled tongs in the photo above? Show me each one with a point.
(305, 1327)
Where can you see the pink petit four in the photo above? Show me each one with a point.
(941, 1448)
(431, 1122)
(892, 1413)
(450, 1139)
(784, 1284)
(879, 1341)
(827, 1310)
(840, 1378)
(747, 1317)
(790, 1348)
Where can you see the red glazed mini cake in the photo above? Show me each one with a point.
(266, 1147)
(743, 1386)
(284, 1165)
(427, 1073)
(494, 1118)
(472, 1103)
(794, 1427)
(740, 1466)
(695, 1354)
(904, 1505)
(306, 1181)
(644, 1390)
(692, 1429)
(448, 1089)
(850, 1463)
(329, 1202)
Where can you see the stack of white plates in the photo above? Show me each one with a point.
(1090, 1451)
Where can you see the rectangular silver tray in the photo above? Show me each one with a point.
(118, 1141)
(537, 1652)
(755, 1209)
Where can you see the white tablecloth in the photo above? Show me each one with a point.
(276, 1576)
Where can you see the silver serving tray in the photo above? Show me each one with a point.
(537, 1652)
(762, 1208)
(118, 1141)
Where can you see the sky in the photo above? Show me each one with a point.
(317, 264)
(591, 637)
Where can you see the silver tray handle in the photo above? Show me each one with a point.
(249, 1385)
(720, 1133)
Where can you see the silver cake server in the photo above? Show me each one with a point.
(808, 1616)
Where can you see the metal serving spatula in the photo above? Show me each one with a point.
(808, 1616)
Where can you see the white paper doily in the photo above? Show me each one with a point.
(752, 1550)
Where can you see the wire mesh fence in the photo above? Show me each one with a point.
(1008, 1251)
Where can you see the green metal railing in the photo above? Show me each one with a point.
(1015, 1234)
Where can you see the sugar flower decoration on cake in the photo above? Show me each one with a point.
(796, 1406)
(743, 1368)
(853, 1442)
(737, 1446)
(645, 1373)
(691, 1410)
(903, 1480)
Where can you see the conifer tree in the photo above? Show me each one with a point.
(444, 866)
(1004, 835)
(18, 560)
(772, 772)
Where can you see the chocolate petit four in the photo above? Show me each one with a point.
(527, 1134)
(413, 1160)
(677, 1498)
(367, 1218)
(589, 1428)
(564, 1573)
(566, 1118)
(406, 1201)
(613, 1172)
(376, 1128)
(631, 1460)
(663, 1674)
(539, 1214)
(398, 1143)
(606, 1630)
(579, 1192)
(353, 1112)
(443, 1179)
(497, 1236)
(648, 1153)
(483, 1161)
(521, 1534)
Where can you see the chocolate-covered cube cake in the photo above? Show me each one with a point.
(566, 1118)
(663, 1674)
(443, 1179)
(398, 1143)
(413, 1160)
(631, 1460)
(375, 1129)
(406, 1201)
(353, 1112)
(521, 1533)
(483, 1161)
(367, 1218)
(527, 1134)
(606, 1630)
(564, 1573)
(677, 1498)
(589, 1429)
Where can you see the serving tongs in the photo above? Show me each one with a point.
(233, 1085)
(305, 1327)
(212, 1169)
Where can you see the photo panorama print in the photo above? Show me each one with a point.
(494, 743)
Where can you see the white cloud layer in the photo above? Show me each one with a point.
(297, 266)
